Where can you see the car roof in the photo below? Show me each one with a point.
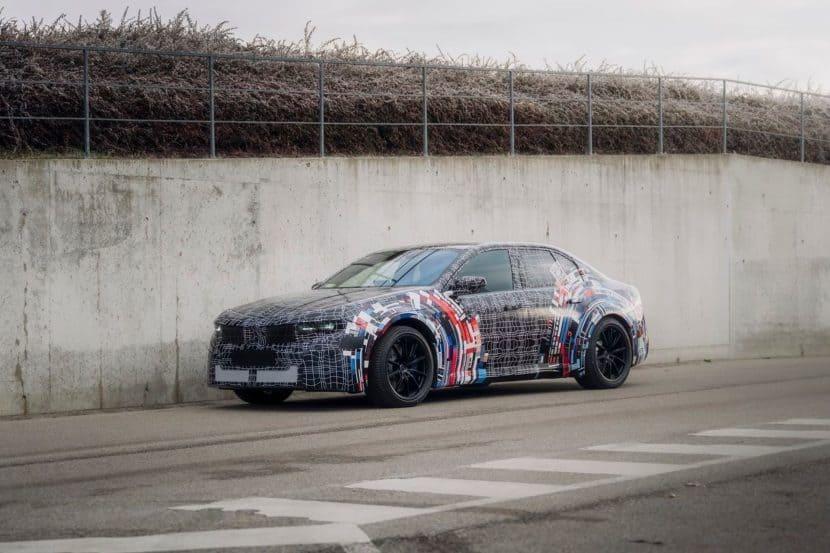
(468, 246)
(471, 245)
(514, 245)
(460, 245)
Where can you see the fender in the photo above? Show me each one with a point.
(609, 303)
(456, 338)
(596, 300)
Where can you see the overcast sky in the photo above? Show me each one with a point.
(759, 40)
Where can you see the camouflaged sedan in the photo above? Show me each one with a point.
(400, 322)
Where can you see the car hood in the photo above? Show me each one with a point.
(323, 303)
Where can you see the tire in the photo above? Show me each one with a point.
(266, 396)
(609, 356)
(402, 368)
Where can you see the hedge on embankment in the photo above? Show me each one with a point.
(272, 108)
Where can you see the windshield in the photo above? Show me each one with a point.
(418, 267)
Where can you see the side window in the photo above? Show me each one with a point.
(567, 264)
(494, 265)
(539, 268)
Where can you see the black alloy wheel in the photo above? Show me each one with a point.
(612, 355)
(402, 369)
(609, 356)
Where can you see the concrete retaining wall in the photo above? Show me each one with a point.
(111, 271)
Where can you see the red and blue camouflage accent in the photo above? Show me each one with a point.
(456, 336)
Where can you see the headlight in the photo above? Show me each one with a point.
(320, 326)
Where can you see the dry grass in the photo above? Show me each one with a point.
(262, 92)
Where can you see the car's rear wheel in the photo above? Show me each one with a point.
(270, 396)
(608, 361)
(401, 370)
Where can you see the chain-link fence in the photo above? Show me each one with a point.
(98, 101)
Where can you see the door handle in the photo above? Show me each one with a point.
(575, 300)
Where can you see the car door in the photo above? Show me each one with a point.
(538, 273)
(496, 307)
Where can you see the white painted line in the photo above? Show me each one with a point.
(320, 511)
(191, 541)
(729, 450)
(764, 433)
(367, 547)
(450, 486)
(579, 466)
(805, 422)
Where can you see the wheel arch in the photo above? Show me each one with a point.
(635, 329)
(454, 336)
(597, 311)
(415, 321)
(625, 322)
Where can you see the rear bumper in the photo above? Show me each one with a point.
(641, 343)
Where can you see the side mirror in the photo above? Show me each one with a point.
(468, 285)
(316, 285)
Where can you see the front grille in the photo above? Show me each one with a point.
(254, 358)
(274, 335)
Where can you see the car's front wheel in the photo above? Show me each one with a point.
(263, 396)
(608, 361)
(402, 368)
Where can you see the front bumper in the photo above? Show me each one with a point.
(313, 363)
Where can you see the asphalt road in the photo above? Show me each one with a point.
(696, 457)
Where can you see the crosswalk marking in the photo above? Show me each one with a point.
(451, 486)
(193, 541)
(579, 466)
(729, 450)
(765, 433)
(342, 519)
(320, 511)
(805, 422)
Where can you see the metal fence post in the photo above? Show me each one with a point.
(802, 128)
(424, 119)
(512, 114)
(322, 109)
(725, 117)
(212, 111)
(660, 115)
(86, 102)
(590, 118)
